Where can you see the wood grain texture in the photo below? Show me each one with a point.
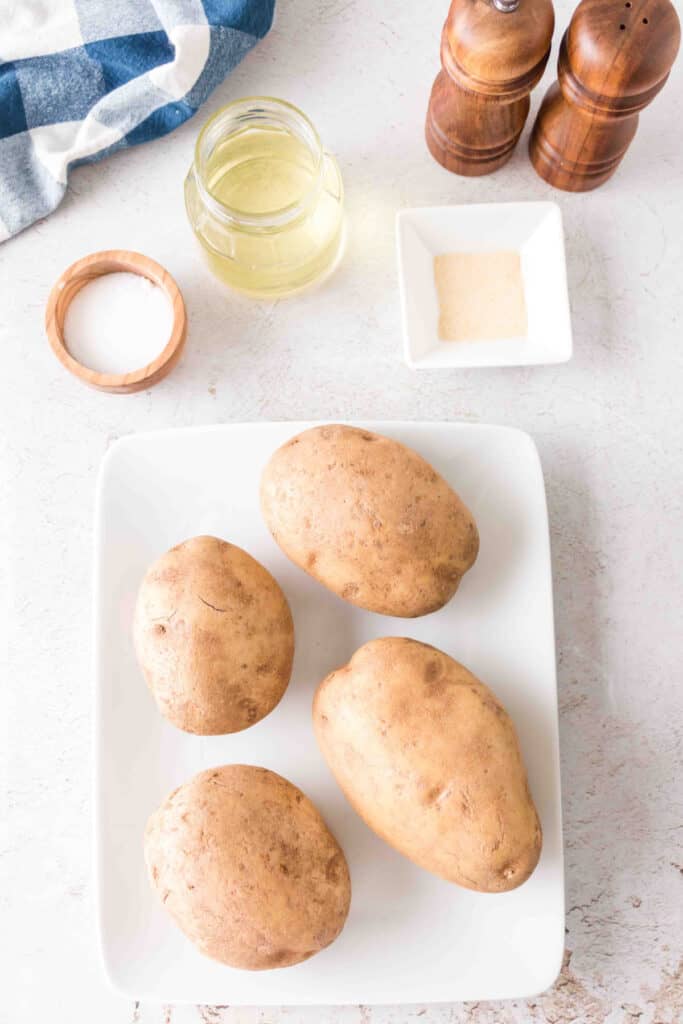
(614, 58)
(470, 134)
(607, 424)
(84, 271)
(480, 99)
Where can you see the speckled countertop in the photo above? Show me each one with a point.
(608, 426)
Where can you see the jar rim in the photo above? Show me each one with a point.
(273, 109)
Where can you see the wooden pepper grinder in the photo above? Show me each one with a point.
(614, 58)
(493, 53)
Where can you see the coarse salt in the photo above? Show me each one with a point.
(118, 323)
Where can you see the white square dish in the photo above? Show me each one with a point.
(532, 229)
(409, 937)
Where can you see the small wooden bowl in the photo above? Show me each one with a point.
(87, 269)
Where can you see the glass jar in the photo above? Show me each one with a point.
(264, 199)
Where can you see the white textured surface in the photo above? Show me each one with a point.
(608, 425)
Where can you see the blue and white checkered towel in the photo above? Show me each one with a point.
(82, 78)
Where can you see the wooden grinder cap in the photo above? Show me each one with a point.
(497, 47)
(616, 54)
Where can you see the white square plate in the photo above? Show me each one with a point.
(409, 937)
(532, 229)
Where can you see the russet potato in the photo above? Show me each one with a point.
(369, 518)
(247, 868)
(430, 760)
(214, 637)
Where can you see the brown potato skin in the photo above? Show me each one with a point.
(247, 868)
(214, 637)
(430, 760)
(368, 518)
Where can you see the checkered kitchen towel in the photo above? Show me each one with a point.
(82, 78)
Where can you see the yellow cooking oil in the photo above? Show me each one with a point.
(260, 170)
(270, 217)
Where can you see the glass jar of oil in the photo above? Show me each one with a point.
(264, 198)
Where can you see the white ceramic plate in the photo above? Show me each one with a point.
(532, 229)
(409, 937)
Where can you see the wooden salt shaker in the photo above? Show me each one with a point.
(614, 58)
(493, 53)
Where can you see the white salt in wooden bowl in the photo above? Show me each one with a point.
(82, 273)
